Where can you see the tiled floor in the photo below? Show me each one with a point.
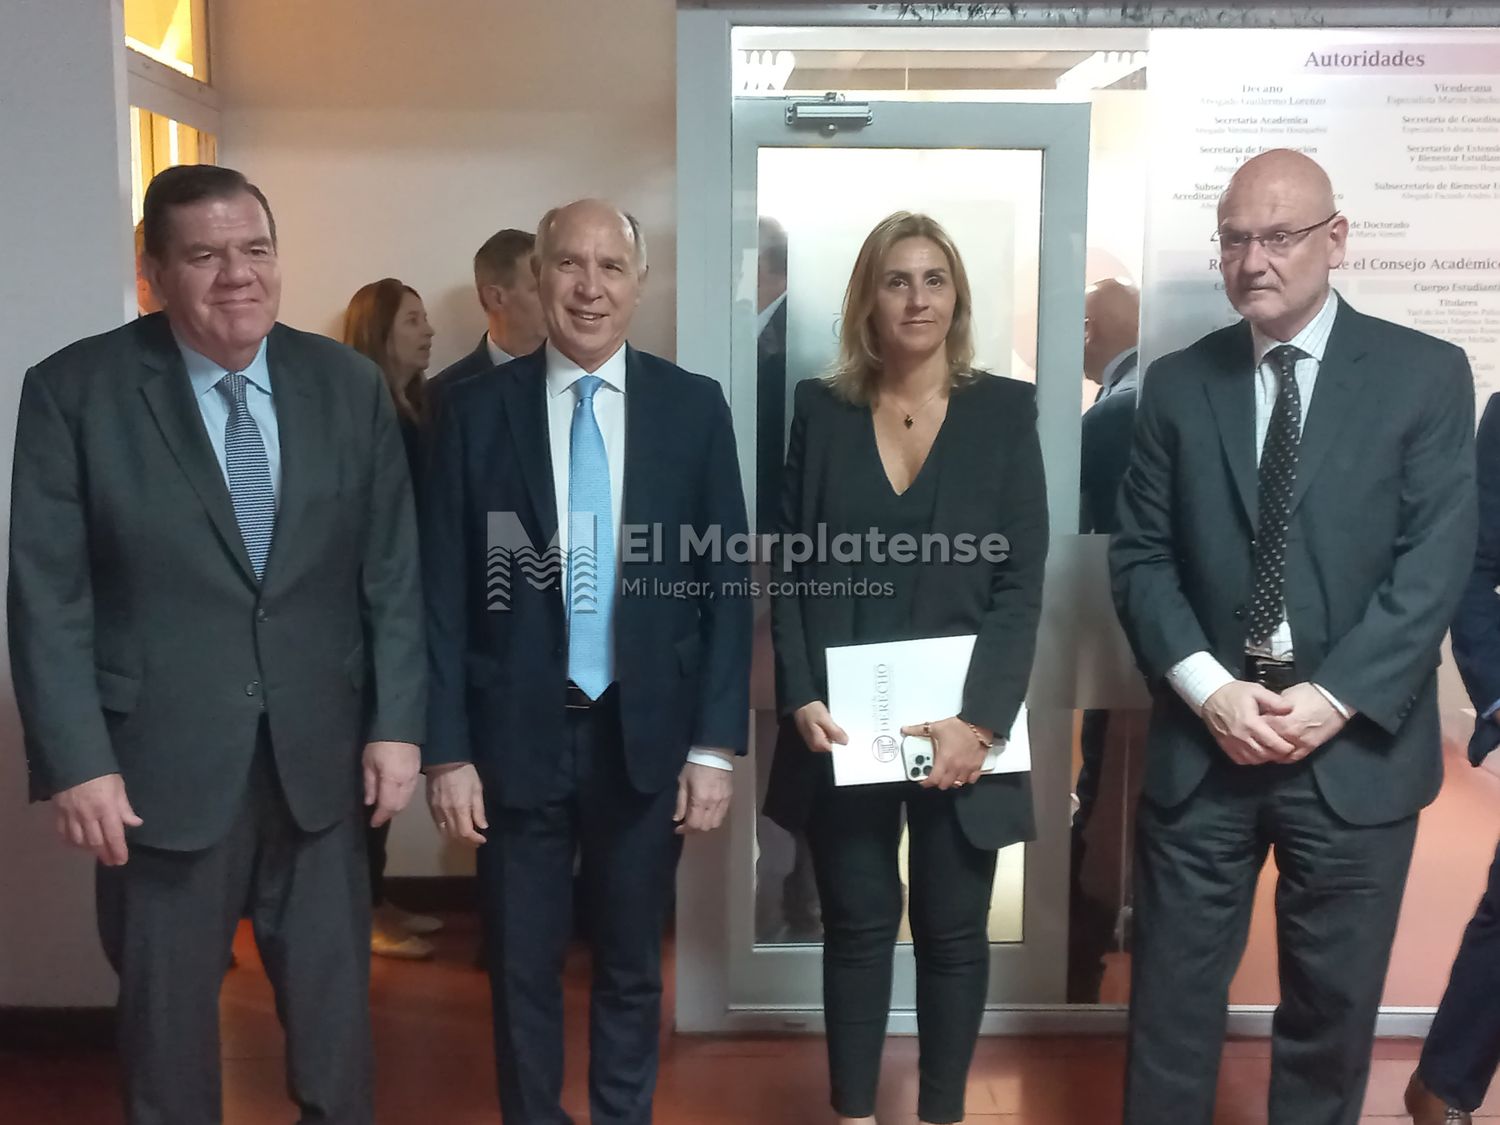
(433, 1045)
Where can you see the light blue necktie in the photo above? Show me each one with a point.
(591, 547)
(249, 473)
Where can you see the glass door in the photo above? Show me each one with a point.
(1009, 182)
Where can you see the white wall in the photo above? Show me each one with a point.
(392, 138)
(65, 230)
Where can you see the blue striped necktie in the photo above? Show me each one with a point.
(249, 473)
(591, 547)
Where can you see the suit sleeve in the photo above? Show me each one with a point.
(445, 582)
(1000, 667)
(795, 685)
(725, 611)
(1476, 626)
(51, 602)
(1158, 620)
(390, 584)
(1378, 666)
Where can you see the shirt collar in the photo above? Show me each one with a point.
(1312, 340)
(562, 372)
(204, 373)
(1110, 375)
(498, 355)
(763, 317)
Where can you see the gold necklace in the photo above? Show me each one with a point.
(910, 416)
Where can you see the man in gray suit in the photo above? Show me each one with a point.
(216, 640)
(1296, 525)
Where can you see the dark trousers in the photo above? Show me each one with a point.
(375, 847)
(855, 834)
(1463, 1047)
(628, 849)
(1338, 893)
(167, 920)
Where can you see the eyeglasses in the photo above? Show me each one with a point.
(1235, 244)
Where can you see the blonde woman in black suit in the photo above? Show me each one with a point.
(904, 436)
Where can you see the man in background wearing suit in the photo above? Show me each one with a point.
(588, 690)
(214, 605)
(1296, 525)
(1111, 331)
(770, 372)
(506, 285)
(1463, 1045)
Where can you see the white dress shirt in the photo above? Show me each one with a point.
(609, 413)
(204, 376)
(498, 355)
(1198, 676)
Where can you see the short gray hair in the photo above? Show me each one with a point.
(637, 236)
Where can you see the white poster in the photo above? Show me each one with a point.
(1407, 124)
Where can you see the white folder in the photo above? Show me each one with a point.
(875, 690)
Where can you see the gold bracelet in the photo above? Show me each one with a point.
(987, 743)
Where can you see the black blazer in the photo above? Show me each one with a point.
(1380, 542)
(497, 650)
(1476, 626)
(992, 481)
(474, 363)
(1104, 451)
(141, 642)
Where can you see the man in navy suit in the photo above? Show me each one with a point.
(506, 285)
(1463, 1047)
(590, 677)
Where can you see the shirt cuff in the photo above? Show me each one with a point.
(1197, 677)
(1489, 712)
(1334, 703)
(713, 759)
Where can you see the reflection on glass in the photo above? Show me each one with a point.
(167, 31)
(816, 207)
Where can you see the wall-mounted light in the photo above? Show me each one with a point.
(763, 72)
(1101, 69)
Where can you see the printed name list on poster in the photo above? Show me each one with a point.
(1407, 123)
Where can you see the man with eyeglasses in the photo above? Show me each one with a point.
(1296, 526)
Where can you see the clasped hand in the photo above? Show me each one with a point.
(1254, 725)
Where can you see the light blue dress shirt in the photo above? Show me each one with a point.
(204, 375)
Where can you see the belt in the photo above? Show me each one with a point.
(1277, 675)
(576, 699)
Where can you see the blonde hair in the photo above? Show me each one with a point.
(858, 366)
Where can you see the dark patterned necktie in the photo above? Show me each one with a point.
(1278, 474)
(249, 471)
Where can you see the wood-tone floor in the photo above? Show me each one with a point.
(433, 1045)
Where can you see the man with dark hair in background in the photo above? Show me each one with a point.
(216, 641)
(507, 291)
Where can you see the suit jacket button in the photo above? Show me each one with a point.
(252, 687)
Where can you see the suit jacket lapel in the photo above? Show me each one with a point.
(302, 440)
(169, 395)
(1334, 399)
(524, 389)
(642, 404)
(1231, 396)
